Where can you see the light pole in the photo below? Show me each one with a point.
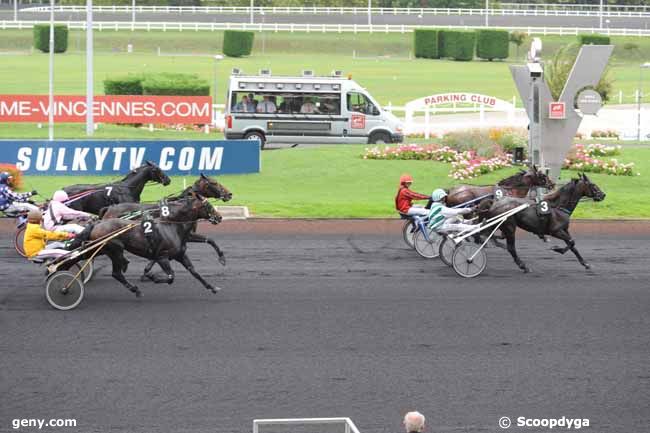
(369, 13)
(487, 11)
(252, 5)
(50, 115)
(601, 14)
(263, 33)
(133, 14)
(639, 95)
(90, 121)
(15, 10)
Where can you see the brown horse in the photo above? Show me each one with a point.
(517, 185)
(550, 217)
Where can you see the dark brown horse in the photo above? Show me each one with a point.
(550, 217)
(517, 185)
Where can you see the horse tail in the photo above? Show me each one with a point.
(483, 208)
(102, 212)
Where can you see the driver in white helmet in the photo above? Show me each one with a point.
(445, 219)
(58, 215)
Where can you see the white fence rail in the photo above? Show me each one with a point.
(309, 28)
(559, 12)
(347, 423)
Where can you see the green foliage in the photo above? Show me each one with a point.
(127, 85)
(492, 44)
(237, 43)
(42, 38)
(457, 44)
(593, 39)
(557, 72)
(157, 84)
(425, 43)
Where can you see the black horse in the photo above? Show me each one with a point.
(94, 197)
(204, 186)
(160, 240)
(552, 218)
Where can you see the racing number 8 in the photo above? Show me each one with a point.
(164, 211)
(147, 227)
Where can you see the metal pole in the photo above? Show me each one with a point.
(252, 5)
(601, 14)
(369, 13)
(50, 115)
(487, 9)
(90, 127)
(15, 10)
(133, 12)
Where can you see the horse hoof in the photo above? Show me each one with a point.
(214, 290)
(557, 250)
(138, 293)
(586, 265)
(144, 278)
(525, 269)
(222, 260)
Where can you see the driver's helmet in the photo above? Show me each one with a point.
(438, 195)
(5, 178)
(405, 178)
(60, 196)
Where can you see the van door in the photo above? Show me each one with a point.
(364, 116)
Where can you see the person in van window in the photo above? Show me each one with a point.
(266, 106)
(244, 106)
(308, 107)
(330, 106)
(252, 100)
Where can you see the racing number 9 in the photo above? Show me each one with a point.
(498, 194)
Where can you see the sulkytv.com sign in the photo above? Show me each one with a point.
(108, 109)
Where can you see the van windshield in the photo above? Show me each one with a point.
(360, 103)
(286, 103)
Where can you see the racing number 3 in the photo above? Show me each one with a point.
(543, 207)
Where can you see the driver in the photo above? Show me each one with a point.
(58, 213)
(35, 242)
(404, 198)
(445, 218)
(11, 201)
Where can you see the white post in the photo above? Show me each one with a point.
(427, 127)
(50, 115)
(487, 19)
(89, 69)
(369, 13)
(601, 14)
(15, 10)
(252, 4)
(133, 13)
(482, 115)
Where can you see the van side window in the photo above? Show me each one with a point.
(358, 103)
(286, 103)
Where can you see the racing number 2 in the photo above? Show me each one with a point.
(148, 227)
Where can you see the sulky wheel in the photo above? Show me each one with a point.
(407, 233)
(469, 260)
(446, 250)
(427, 248)
(63, 291)
(18, 241)
(88, 271)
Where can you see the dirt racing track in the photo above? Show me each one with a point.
(337, 318)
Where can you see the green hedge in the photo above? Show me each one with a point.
(593, 39)
(157, 84)
(457, 44)
(492, 44)
(42, 38)
(425, 43)
(237, 43)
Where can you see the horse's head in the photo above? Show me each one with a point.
(589, 189)
(204, 210)
(156, 174)
(535, 177)
(208, 187)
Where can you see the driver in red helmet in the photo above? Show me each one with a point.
(404, 198)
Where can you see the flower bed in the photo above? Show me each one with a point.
(464, 165)
(584, 158)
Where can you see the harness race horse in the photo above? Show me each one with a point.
(517, 185)
(553, 221)
(93, 197)
(160, 240)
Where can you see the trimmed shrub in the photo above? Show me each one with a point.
(457, 44)
(425, 43)
(175, 84)
(593, 39)
(237, 43)
(128, 85)
(42, 38)
(492, 44)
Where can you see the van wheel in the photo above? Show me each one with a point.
(379, 138)
(256, 135)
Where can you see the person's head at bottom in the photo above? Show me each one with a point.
(414, 422)
(34, 217)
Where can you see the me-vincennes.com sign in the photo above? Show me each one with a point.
(106, 157)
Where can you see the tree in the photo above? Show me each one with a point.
(518, 38)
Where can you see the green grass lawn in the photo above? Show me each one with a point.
(384, 68)
(335, 182)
